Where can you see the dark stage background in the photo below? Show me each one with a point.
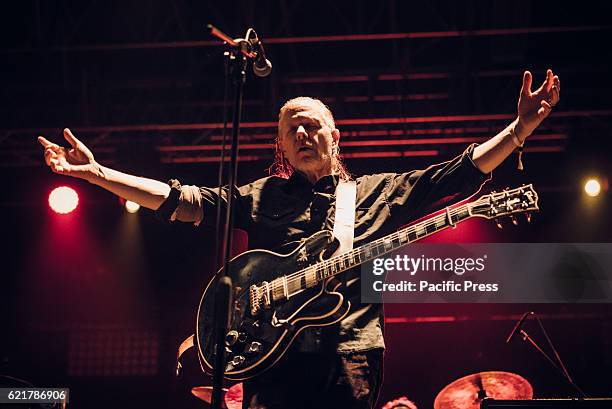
(99, 300)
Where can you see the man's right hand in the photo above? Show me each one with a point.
(77, 162)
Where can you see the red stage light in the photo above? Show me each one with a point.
(63, 200)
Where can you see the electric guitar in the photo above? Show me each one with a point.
(276, 296)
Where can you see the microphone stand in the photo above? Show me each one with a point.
(239, 51)
(525, 337)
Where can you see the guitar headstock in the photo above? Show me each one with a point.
(508, 202)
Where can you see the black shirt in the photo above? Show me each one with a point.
(278, 213)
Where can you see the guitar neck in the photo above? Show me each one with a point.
(391, 242)
(285, 286)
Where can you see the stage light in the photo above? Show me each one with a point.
(131, 207)
(592, 187)
(63, 200)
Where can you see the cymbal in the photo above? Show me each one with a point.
(232, 397)
(469, 391)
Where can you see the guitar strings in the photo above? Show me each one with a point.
(346, 257)
(297, 276)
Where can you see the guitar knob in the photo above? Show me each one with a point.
(238, 360)
(242, 337)
(498, 224)
(231, 338)
(254, 348)
(514, 221)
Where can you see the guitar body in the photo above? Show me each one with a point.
(257, 341)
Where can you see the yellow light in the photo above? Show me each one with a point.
(592, 187)
(63, 200)
(131, 207)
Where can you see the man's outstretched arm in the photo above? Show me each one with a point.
(533, 108)
(79, 162)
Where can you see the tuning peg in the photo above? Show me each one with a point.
(514, 221)
(528, 217)
(498, 224)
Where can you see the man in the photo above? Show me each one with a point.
(340, 365)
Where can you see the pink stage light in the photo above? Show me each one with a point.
(63, 200)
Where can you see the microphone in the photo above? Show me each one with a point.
(518, 326)
(262, 67)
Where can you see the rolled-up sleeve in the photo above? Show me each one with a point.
(190, 208)
(416, 192)
(197, 205)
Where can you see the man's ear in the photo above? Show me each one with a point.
(279, 144)
(336, 136)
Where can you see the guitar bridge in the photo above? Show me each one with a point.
(259, 295)
(254, 300)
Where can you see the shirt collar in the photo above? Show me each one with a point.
(326, 184)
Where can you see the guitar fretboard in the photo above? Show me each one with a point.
(284, 287)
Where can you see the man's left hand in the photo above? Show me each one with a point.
(534, 107)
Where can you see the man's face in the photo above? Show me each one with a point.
(307, 140)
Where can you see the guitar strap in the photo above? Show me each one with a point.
(186, 345)
(344, 221)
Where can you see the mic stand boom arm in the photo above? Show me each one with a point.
(525, 337)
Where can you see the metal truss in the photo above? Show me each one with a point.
(406, 100)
